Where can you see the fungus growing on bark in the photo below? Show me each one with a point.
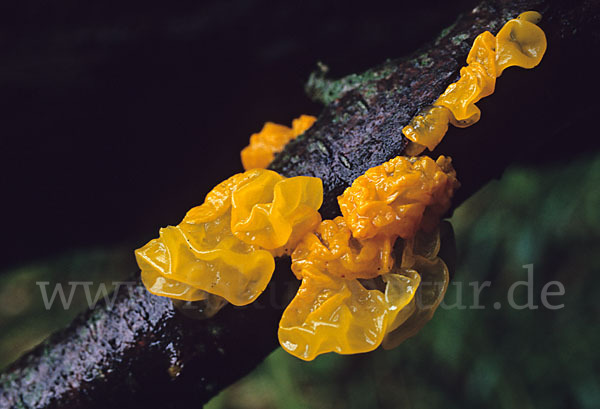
(350, 315)
(520, 42)
(271, 140)
(398, 196)
(354, 295)
(226, 246)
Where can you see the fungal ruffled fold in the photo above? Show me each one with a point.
(332, 314)
(398, 196)
(270, 140)
(353, 315)
(520, 42)
(226, 246)
(354, 294)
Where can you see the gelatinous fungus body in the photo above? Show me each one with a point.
(349, 315)
(399, 196)
(331, 247)
(226, 246)
(271, 140)
(354, 294)
(520, 42)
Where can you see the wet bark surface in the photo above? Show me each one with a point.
(144, 352)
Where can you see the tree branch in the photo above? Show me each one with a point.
(144, 352)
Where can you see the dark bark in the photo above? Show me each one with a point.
(143, 352)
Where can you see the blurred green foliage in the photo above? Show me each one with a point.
(24, 319)
(465, 357)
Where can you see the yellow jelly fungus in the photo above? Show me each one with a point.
(398, 197)
(420, 254)
(531, 16)
(271, 140)
(331, 314)
(274, 212)
(428, 128)
(347, 316)
(225, 247)
(520, 42)
(460, 97)
(331, 247)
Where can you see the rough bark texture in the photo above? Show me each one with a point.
(144, 352)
